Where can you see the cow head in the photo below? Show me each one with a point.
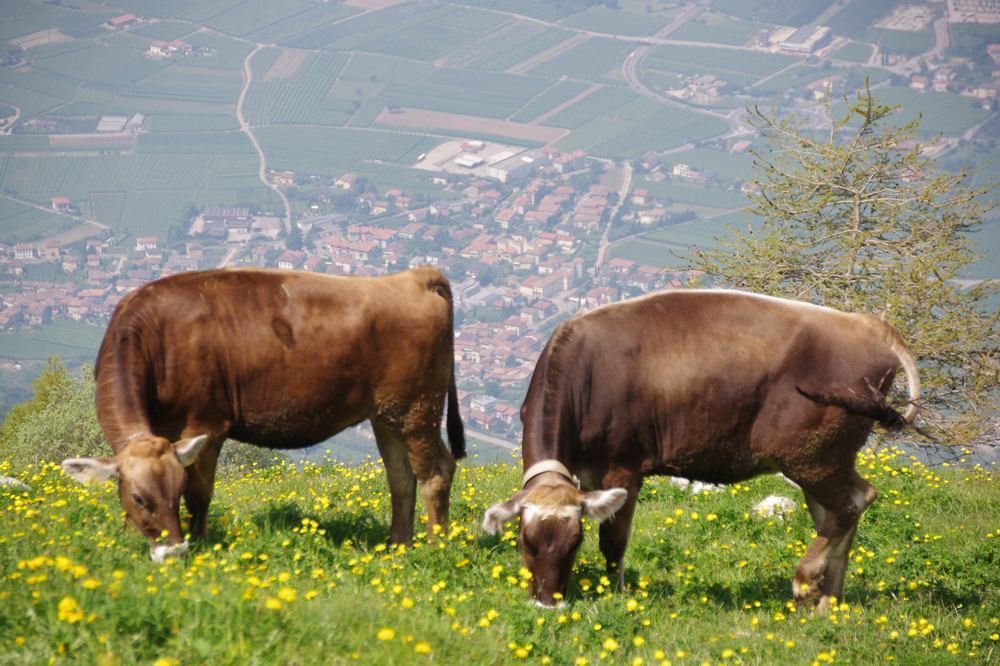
(151, 478)
(550, 509)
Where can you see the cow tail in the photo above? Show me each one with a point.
(874, 404)
(909, 365)
(456, 431)
(438, 283)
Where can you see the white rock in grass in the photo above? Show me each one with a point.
(696, 487)
(11, 482)
(775, 506)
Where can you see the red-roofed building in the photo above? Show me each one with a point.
(123, 22)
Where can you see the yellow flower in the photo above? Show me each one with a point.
(610, 644)
(422, 647)
(166, 661)
(272, 604)
(287, 594)
(69, 611)
(385, 634)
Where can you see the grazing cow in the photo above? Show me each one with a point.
(712, 385)
(279, 359)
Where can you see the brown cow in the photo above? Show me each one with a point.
(280, 359)
(712, 385)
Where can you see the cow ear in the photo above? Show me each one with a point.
(91, 470)
(500, 513)
(188, 449)
(602, 504)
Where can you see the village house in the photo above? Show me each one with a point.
(143, 243)
(284, 179)
(62, 205)
(291, 260)
(24, 251)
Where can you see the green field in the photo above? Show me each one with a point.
(727, 165)
(295, 551)
(587, 61)
(694, 194)
(741, 67)
(20, 223)
(661, 130)
(506, 46)
(561, 92)
(183, 83)
(853, 20)
(601, 19)
(74, 341)
(942, 113)
(854, 52)
(898, 41)
(717, 29)
(782, 12)
(603, 102)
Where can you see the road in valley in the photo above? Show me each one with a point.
(623, 191)
(245, 126)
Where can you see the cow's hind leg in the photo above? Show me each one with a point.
(836, 507)
(402, 482)
(201, 484)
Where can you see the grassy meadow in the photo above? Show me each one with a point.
(296, 570)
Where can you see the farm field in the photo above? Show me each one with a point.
(73, 341)
(470, 126)
(942, 113)
(294, 552)
(602, 19)
(717, 29)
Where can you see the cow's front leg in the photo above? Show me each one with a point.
(201, 486)
(402, 483)
(614, 533)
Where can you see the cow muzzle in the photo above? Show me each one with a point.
(161, 552)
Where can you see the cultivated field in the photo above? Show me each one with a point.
(296, 570)
(468, 125)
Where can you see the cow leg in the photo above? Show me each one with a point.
(201, 484)
(434, 467)
(402, 483)
(863, 494)
(614, 534)
(836, 509)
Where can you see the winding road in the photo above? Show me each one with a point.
(245, 126)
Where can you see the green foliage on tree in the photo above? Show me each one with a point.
(858, 219)
(60, 422)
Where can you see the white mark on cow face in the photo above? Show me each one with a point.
(161, 552)
(555, 606)
(531, 512)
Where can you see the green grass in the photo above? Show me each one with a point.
(295, 570)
